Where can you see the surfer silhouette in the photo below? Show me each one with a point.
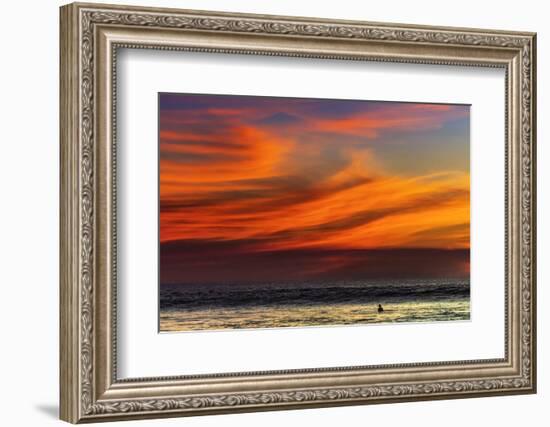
(380, 308)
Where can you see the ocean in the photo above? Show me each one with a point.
(194, 307)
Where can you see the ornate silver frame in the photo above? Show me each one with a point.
(90, 36)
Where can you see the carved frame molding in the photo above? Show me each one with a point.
(90, 36)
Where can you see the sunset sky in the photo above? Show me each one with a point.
(256, 189)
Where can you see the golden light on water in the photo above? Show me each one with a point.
(317, 315)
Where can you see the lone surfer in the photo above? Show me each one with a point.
(380, 308)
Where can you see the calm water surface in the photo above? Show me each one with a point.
(233, 306)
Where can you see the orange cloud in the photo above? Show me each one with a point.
(240, 182)
(353, 208)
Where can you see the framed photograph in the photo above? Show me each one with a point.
(265, 213)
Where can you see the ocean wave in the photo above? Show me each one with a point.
(201, 296)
